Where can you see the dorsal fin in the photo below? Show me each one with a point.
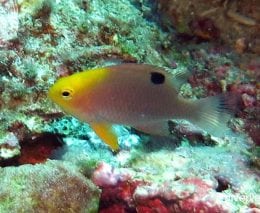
(180, 76)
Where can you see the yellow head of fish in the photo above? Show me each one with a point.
(63, 93)
(69, 92)
(73, 94)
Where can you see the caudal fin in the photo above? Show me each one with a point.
(213, 113)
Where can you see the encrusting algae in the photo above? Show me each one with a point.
(138, 95)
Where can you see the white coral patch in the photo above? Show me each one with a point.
(9, 146)
(9, 22)
(6, 153)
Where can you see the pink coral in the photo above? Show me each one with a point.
(200, 201)
(248, 100)
(187, 195)
(106, 175)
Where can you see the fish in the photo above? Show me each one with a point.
(141, 96)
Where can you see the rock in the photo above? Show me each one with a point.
(51, 187)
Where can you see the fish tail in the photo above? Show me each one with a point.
(213, 113)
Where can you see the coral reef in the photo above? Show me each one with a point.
(191, 171)
(235, 23)
(151, 185)
(58, 38)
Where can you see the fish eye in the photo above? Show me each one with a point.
(157, 78)
(67, 94)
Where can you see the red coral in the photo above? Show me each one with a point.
(122, 198)
(249, 89)
(38, 150)
(119, 196)
(250, 106)
(123, 191)
(212, 87)
(152, 206)
(197, 203)
(247, 93)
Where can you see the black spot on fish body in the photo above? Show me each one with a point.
(157, 78)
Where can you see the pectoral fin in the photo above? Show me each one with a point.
(106, 133)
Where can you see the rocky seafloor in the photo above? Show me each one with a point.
(51, 162)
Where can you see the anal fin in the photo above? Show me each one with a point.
(106, 133)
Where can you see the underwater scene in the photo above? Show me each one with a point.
(129, 106)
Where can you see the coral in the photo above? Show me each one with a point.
(204, 28)
(191, 194)
(252, 128)
(42, 40)
(169, 174)
(22, 146)
(254, 154)
(60, 38)
(248, 101)
(119, 197)
(50, 187)
(9, 147)
(32, 6)
(68, 126)
(252, 67)
(9, 22)
(39, 149)
(201, 201)
(250, 106)
(152, 205)
(165, 181)
(228, 21)
(106, 175)
(71, 127)
(21, 131)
